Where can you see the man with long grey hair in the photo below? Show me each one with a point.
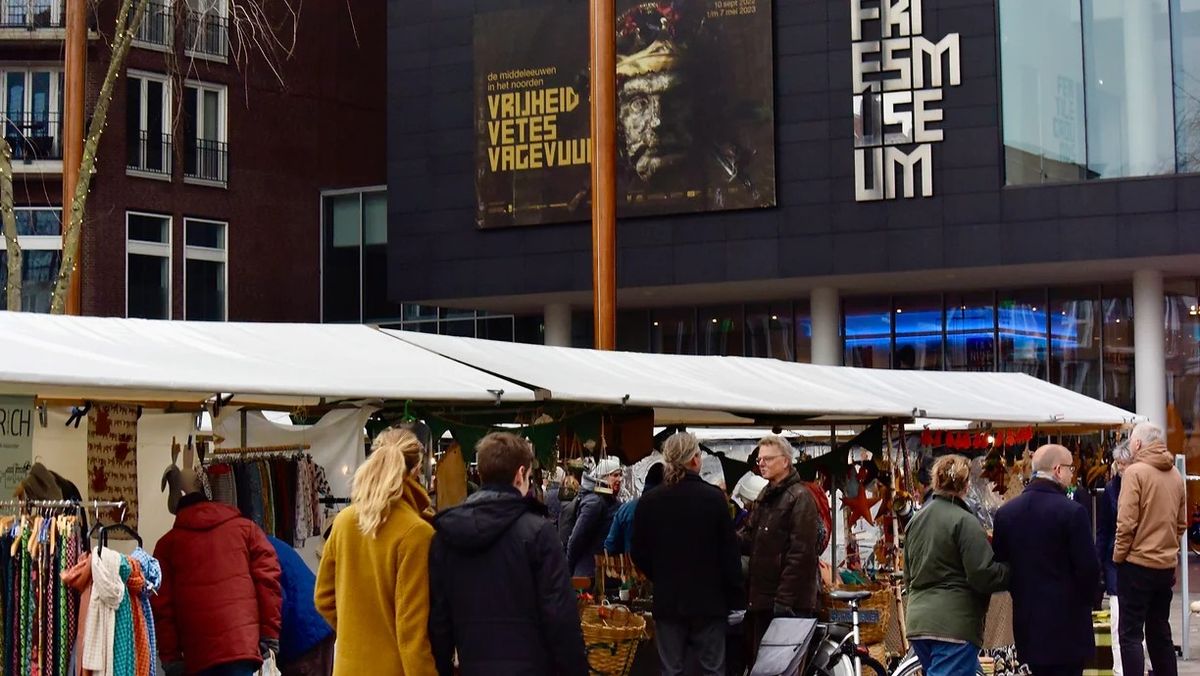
(1106, 533)
(683, 540)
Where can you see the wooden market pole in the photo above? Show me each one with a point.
(74, 69)
(602, 41)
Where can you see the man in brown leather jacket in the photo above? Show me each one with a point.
(781, 537)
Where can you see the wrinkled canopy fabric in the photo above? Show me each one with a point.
(146, 360)
(751, 387)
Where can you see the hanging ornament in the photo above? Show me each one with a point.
(859, 507)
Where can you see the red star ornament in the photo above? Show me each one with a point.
(860, 506)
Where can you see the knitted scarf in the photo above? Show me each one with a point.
(152, 572)
(108, 590)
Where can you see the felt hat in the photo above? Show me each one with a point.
(40, 484)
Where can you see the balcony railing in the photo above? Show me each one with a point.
(207, 33)
(158, 25)
(34, 136)
(150, 152)
(206, 160)
(32, 14)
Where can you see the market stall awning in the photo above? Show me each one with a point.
(998, 398)
(145, 360)
(711, 388)
(729, 390)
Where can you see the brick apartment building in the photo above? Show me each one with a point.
(207, 201)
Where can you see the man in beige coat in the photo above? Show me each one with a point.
(1151, 519)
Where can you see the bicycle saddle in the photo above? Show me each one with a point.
(849, 595)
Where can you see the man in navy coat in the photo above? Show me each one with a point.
(1046, 538)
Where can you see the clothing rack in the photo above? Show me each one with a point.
(85, 504)
(254, 450)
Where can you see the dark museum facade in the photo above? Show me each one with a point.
(931, 184)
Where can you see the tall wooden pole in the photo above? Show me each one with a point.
(602, 39)
(74, 74)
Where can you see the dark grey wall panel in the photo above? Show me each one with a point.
(817, 228)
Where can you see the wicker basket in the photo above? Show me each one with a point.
(874, 612)
(610, 636)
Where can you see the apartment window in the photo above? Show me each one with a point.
(158, 25)
(208, 28)
(148, 123)
(31, 110)
(31, 14)
(39, 232)
(205, 270)
(148, 266)
(205, 153)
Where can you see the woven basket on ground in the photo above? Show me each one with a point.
(874, 613)
(611, 635)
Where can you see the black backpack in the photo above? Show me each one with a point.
(566, 520)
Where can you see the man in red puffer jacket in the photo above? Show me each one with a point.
(220, 607)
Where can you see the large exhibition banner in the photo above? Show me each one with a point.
(695, 110)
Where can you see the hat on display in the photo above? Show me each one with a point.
(178, 483)
(749, 488)
(40, 484)
(605, 467)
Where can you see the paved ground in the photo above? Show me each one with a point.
(1187, 667)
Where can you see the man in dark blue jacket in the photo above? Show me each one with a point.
(500, 594)
(1106, 533)
(1046, 539)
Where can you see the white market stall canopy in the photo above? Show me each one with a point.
(287, 364)
(720, 385)
(699, 390)
(56, 357)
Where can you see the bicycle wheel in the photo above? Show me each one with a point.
(844, 666)
(872, 667)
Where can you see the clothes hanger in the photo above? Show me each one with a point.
(118, 527)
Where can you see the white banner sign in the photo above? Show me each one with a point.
(16, 442)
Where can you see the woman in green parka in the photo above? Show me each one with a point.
(950, 575)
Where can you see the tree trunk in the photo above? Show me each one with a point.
(73, 213)
(9, 217)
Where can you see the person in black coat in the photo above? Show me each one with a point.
(594, 513)
(683, 540)
(500, 594)
(1046, 539)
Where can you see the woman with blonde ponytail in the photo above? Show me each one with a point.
(373, 582)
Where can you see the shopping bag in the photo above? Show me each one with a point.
(269, 667)
(784, 647)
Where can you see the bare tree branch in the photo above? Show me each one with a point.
(9, 217)
(124, 32)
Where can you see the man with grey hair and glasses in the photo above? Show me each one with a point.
(1106, 533)
(782, 538)
(1151, 519)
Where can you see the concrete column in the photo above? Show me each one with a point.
(558, 324)
(1149, 361)
(825, 305)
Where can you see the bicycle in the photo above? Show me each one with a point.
(837, 651)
